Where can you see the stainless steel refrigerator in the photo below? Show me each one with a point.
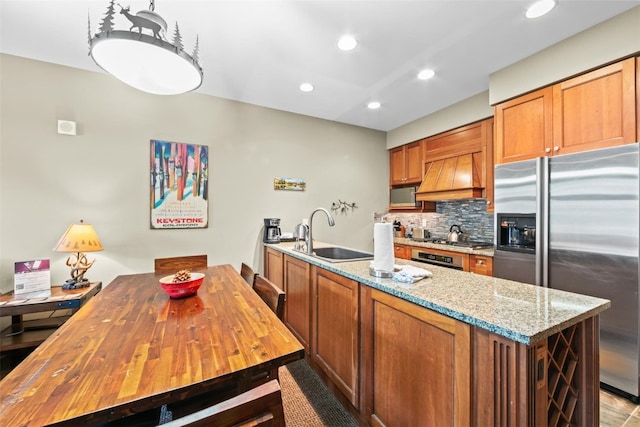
(571, 222)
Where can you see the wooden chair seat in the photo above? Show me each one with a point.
(248, 274)
(260, 406)
(174, 264)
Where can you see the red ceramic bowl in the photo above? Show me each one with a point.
(182, 289)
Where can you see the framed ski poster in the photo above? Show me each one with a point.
(179, 185)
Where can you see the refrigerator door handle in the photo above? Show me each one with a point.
(542, 222)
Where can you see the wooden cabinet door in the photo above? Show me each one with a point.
(273, 266)
(481, 264)
(402, 252)
(335, 330)
(523, 127)
(413, 168)
(297, 307)
(417, 364)
(596, 109)
(405, 164)
(397, 166)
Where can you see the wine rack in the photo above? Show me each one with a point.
(562, 378)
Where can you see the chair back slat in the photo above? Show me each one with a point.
(270, 294)
(260, 406)
(248, 274)
(174, 264)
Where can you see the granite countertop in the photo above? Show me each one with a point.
(450, 248)
(518, 311)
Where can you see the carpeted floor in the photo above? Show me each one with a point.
(306, 400)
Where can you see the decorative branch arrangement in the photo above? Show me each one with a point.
(342, 207)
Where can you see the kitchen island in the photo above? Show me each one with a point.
(455, 349)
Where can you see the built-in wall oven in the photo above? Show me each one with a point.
(431, 257)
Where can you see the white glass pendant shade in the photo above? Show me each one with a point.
(146, 63)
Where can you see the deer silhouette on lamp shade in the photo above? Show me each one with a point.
(141, 22)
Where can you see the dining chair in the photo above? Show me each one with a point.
(259, 406)
(248, 274)
(270, 294)
(274, 297)
(173, 264)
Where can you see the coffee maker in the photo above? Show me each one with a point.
(271, 230)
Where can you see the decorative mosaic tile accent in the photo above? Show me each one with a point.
(470, 214)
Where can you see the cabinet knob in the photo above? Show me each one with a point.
(547, 150)
(488, 202)
(556, 148)
(479, 261)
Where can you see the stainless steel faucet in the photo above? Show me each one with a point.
(310, 235)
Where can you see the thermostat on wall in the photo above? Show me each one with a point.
(66, 127)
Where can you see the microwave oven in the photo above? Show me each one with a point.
(403, 197)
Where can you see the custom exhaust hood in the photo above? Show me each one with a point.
(458, 177)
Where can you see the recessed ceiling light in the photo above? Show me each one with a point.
(374, 105)
(426, 74)
(306, 87)
(347, 43)
(539, 8)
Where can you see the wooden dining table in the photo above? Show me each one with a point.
(131, 349)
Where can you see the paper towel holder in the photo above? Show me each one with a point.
(380, 273)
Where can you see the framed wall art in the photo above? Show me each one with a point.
(289, 184)
(179, 185)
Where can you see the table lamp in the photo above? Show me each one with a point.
(78, 238)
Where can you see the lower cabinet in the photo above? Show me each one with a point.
(297, 306)
(402, 251)
(416, 364)
(335, 330)
(273, 264)
(481, 264)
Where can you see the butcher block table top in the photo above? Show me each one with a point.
(132, 348)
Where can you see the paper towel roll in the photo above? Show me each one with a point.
(383, 259)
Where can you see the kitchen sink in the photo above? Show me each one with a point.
(336, 254)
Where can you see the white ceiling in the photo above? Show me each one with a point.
(260, 51)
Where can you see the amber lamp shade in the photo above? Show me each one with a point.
(78, 238)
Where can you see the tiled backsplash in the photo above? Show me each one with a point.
(470, 214)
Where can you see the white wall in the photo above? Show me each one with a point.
(48, 181)
(464, 112)
(606, 42)
(613, 39)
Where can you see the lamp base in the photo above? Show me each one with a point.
(75, 283)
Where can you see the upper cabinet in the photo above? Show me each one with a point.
(594, 110)
(523, 127)
(405, 164)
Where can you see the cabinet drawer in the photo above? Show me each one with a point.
(481, 264)
(402, 252)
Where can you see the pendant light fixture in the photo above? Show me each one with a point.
(141, 56)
